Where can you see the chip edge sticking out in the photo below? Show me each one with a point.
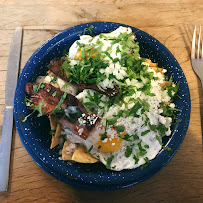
(58, 128)
(81, 156)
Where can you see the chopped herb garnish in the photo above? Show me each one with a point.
(152, 127)
(109, 160)
(104, 136)
(145, 132)
(136, 159)
(142, 151)
(119, 128)
(26, 117)
(128, 151)
(58, 107)
(53, 80)
(90, 149)
(167, 148)
(112, 121)
(100, 88)
(160, 142)
(29, 103)
(87, 108)
(41, 86)
(52, 132)
(39, 108)
(88, 29)
(91, 103)
(66, 86)
(126, 137)
(146, 163)
(135, 137)
(162, 129)
(54, 94)
(135, 108)
(146, 146)
(117, 50)
(35, 88)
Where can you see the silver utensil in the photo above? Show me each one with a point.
(197, 62)
(11, 81)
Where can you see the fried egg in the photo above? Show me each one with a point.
(115, 146)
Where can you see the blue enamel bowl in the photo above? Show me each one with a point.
(34, 133)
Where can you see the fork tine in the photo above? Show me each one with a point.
(193, 44)
(198, 46)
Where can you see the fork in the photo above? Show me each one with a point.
(197, 62)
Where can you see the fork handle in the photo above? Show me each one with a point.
(5, 148)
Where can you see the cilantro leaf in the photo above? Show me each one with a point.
(135, 108)
(162, 129)
(119, 128)
(112, 121)
(35, 88)
(104, 136)
(126, 137)
(58, 107)
(90, 149)
(152, 127)
(146, 163)
(136, 159)
(54, 94)
(109, 160)
(128, 151)
(145, 132)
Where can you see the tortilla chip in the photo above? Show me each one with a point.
(80, 155)
(53, 123)
(148, 61)
(66, 156)
(152, 65)
(55, 138)
(58, 130)
(54, 142)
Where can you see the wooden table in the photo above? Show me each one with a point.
(172, 23)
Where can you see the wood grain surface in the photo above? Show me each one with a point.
(172, 23)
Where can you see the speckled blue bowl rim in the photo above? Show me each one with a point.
(109, 180)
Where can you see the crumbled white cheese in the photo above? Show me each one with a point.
(70, 148)
(172, 105)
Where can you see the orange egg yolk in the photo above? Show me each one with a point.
(111, 145)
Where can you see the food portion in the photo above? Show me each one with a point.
(105, 102)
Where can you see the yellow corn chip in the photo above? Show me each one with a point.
(54, 142)
(80, 155)
(58, 130)
(53, 123)
(55, 138)
(148, 61)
